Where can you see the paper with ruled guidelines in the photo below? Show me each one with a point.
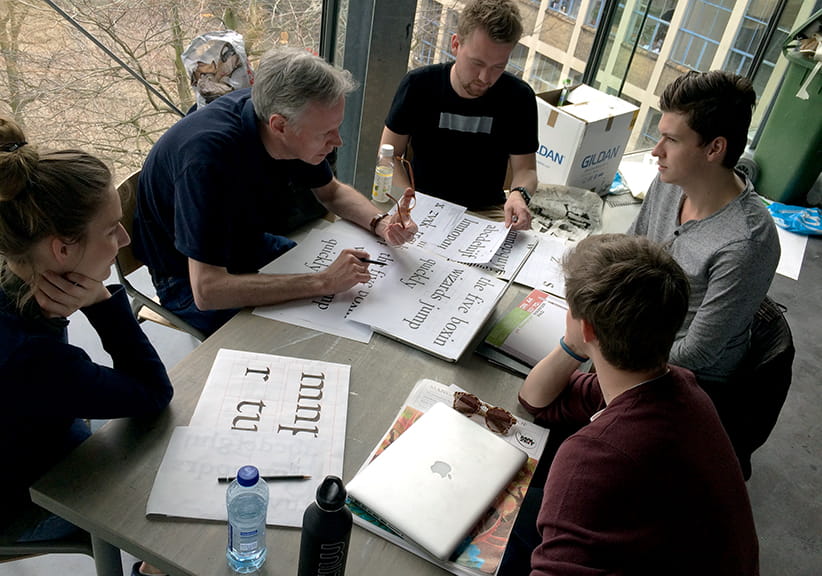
(283, 415)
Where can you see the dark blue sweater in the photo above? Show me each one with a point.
(47, 384)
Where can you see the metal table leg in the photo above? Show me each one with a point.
(107, 558)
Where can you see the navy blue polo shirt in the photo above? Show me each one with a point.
(209, 191)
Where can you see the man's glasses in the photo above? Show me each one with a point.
(497, 419)
(404, 206)
(407, 165)
(406, 203)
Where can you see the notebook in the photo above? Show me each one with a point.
(434, 482)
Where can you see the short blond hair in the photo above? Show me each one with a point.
(499, 18)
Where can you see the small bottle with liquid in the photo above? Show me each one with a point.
(563, 95)
(247, 504)
(383, 174)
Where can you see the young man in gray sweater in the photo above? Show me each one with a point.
(710, 219)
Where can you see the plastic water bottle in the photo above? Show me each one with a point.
(326, 531)
(383, 174)
(563, 95)
(247, 502)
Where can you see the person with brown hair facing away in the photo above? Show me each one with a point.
(650, 483)
(60, 232)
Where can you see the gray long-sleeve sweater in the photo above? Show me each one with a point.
(730, 259)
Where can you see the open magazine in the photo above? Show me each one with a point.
(483, 548)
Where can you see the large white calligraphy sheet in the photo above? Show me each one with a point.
(283, 415)
(430, 302)
(418, 296)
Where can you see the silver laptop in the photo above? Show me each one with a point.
(433, 484)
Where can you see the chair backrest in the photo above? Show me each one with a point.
(24, 519)
(750, 402)
(769, 366)
(143, 306)
(126, 261)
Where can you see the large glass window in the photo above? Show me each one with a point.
(516, 63)
(427, 28)
(702, 29)
(594, 15)
(565, 7)
(649, 43)
(545, 74)
(66, 91)
(749, 37)
(650, 21)
(451, 19)
(649, 134)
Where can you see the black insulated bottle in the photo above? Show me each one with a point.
(326, 531)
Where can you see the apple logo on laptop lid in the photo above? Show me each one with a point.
(443, 469)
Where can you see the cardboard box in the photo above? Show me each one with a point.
(582, 142)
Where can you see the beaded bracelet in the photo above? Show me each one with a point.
(570, 352)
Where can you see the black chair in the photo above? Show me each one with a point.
(11, 550)
(750, 403)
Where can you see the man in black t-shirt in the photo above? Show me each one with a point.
(466, 119)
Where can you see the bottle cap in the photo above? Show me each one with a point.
(331, 494)
(248, 476)
(387, 150)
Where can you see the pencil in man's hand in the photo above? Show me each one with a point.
(367, 261)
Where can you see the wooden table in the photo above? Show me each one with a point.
(103, 486)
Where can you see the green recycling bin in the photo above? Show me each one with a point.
(789, 153)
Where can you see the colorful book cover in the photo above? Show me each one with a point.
(532, 329)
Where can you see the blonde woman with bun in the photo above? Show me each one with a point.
(59, 234)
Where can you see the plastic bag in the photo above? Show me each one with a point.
(216, 64)
(807, 221)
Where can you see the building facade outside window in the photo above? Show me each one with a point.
(650, 43)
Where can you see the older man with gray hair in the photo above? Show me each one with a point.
(220, 188)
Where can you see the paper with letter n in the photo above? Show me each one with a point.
(283, 415)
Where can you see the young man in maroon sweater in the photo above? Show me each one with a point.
(650, 483)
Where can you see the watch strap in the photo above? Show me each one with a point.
(376, 220)
(524, 193)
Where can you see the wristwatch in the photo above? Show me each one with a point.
(376, 220)
(524, 193)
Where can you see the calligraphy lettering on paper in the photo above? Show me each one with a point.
(464, 224)
(421, 275)
(323, 259)
(480, 242)
(429, 220)
(441, 291)
(421, 316)
(309, 407)
(249, 412)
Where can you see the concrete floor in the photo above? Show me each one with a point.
(785, 488)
